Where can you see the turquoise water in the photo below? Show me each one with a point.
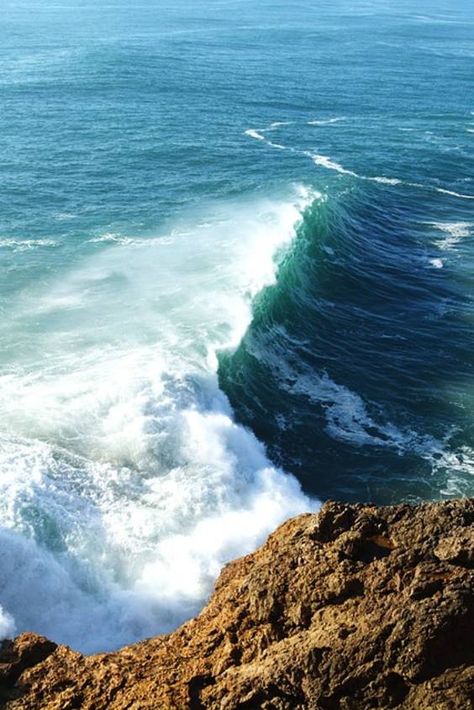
(237, 260)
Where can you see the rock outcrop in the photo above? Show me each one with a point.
(356, 607)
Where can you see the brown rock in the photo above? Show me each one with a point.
(357, 607)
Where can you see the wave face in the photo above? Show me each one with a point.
(362, 352)
(236, 278)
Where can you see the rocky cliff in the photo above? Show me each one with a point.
(356, 607)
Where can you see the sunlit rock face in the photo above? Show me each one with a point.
(354, 607)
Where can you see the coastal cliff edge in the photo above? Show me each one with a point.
(355, 607)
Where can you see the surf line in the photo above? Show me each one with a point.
(259, 135)
(320, 160)
(326, 162)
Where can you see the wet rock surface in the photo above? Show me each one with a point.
(356, 607)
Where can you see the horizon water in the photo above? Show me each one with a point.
(237, 280)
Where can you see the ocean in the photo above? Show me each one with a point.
(237, 271)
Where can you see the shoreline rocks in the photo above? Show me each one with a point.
(354, 607)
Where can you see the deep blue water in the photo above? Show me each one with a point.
(237, 271)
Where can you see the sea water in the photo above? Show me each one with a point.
(237, 271)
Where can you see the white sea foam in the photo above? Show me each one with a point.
(254, 134)
(260, 135)
(348, 420)
(279, 146)
(437, 263)
(320, 160)
(19, 245)
(7, 625)
(278, 124)
(346, 412)
(386, 180)
(454, 194)
(330, 164)
(347, 415)
(125, 484)
(458, 462)
(112, 237)
(455, 232)
(326, 121)
(327, 162)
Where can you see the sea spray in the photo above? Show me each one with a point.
(125, 482)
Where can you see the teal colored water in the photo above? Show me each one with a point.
(237, 271)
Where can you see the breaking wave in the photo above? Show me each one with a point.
(125, 482)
